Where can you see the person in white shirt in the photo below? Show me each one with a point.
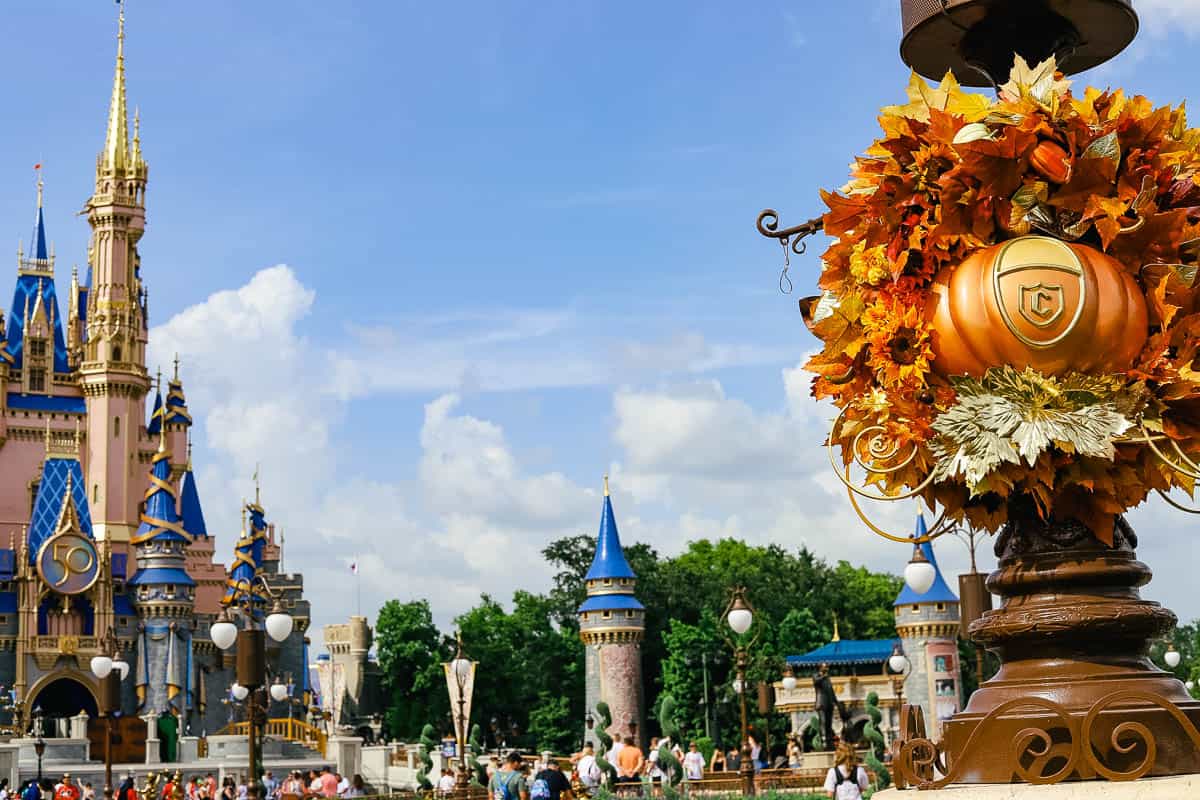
(846, 779)
(653, 770)
(343, 785)
(615, 750)
(587, 769)
(693, 763)
(445, 785)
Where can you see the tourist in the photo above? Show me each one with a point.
(126, 791)
(653, 768)
(795, 755)
(693, 763)
(357, 787)
(270, 785)
(550, 783)
(243, 788)
(67, 790)
(846, 780)
(88, 792)
(445, 784)
(755, 752)
(228, 789)
(717, 763)
(588, 770)
(630, 761)
(328, 782)
(493, 766)
(3, 788)
(211, 783)
(733, 760)
(343, 784)
(508, 783)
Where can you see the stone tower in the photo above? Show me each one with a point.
(112, 370)
(611, 624)
(928, 628)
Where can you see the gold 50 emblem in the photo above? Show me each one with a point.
(67, 563)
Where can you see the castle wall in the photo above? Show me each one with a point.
(928, 632)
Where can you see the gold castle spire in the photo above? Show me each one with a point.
(116, 141)
(606, 484)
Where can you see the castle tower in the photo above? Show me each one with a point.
(112, 371)
(176, 420)
(163, 594)
(611, 624)
(928, 628)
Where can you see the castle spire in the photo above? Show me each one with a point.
(116, 140)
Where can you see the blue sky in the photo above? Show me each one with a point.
(519, 252)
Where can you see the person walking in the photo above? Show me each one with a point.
(508, 783)
(717, 763)
(550, 783)
(588, 770)
(693, 763)
(630, 761)
(795, 755)
(846, 780)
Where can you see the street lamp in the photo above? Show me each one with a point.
(109, 670)
(739, 616)
(1172, 656)
(900, 666)
(251, 644)
(460, 683)
(789, 678)
(919, 574)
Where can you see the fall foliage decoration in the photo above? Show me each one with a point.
(1010, 306)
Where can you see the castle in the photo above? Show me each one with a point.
(105, 528)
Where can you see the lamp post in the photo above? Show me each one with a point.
(39, 746)
(251, 662)
(899, 665)
(460, 683)
(739, 616)
(110, 669)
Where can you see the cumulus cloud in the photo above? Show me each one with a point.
(1162, 16)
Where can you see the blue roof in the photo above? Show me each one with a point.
(8, 602)
(155, 423)
(247, 555)
(48, 503)
(609, 602)
(189, 506)
(123, 606)
(41, 402)
(161, 575)
(8, 564)
(38, 250)
(159, 520)
(847, 652)
(120, 565)
(939, 592)
(176, 407)
(610, 558)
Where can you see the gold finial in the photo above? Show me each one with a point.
(116, 141)
(257, 487)
(40, 183)
(177, 367)
(188, 434)
(606, 484)
(162, 412)
(137, 136)
(837, 637)
(244, 518)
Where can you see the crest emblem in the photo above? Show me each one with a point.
(1040, 290)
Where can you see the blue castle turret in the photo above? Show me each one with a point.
(928, 627)
(163, 594)
(612, 623)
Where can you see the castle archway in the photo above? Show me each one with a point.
(61, 696)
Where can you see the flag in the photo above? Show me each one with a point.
(37, 166)
(354, 567)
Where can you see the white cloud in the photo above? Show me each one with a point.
(1162, 16)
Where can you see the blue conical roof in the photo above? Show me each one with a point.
(39, 249)
(159, 520)
(189, 507)
(156, 414)
(939, 592)
(610, 558)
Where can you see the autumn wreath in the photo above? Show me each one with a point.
(932, 402)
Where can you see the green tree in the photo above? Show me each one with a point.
(411, 651)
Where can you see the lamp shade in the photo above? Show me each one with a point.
(789, 682)
(279, 691)
(919, 574)
(1172, 657)
(1189, 685)
(897, 662)
(239, 692)
(740, 620)
(223, 634)
(121, 666)
(101, 666)
(461, 668)
(279, 626)
(738, 685)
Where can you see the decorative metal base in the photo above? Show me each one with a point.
(1076, 697)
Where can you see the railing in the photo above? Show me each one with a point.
(293, 730)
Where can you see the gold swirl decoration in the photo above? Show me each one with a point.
(157, 525)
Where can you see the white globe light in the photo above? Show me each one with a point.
(223, 634)
(919, 575)
(278, 692)
(279, 626)
(1189, 685)
(789, 682)
(740, 620)
(461, 668)
(121, 666)
(101, 666)
(239, 691)
(738, 686)
(1172, 657)
(898, 662)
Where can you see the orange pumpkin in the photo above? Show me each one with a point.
(1051, 161)
(1039, 302)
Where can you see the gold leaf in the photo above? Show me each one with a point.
(973, 132)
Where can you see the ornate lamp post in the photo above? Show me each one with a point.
(739, 616)
(899, 666)
(110, 669)
(39, 747)
(460, 683)
(251, 656)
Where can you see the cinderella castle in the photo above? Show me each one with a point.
(102, 531)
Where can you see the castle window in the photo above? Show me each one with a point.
(124, 621)
(916, 609)
(941, 606)
(608, 581)
(116, 353)
(37, 379)
(33, 490)
(606, 615)
(37, 348)
(116, 427)
(95, 493)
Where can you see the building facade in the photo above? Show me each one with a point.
(928, 626)
(612, 623)
(105, 528)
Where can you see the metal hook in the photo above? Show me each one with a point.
(783, 276)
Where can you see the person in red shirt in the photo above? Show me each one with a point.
(67, 790)
(328, 783)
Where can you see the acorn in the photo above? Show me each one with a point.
(1051, 161)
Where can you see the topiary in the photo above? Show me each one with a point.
(875, 741)
(667, 762)
(606, 743)
(812, 732)
(428, 744)
(475, 748)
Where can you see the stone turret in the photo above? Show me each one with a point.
(612, 623)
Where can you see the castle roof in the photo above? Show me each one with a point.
(610, 557)
(48, 505)
(189, 506)
(155, 424)
(160, 522)
(175, 411)
(847, 652)
(610, 602)
(247, 554)
(939, 592)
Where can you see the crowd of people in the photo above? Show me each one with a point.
(298, 785)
